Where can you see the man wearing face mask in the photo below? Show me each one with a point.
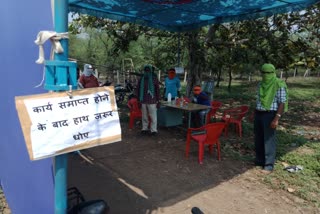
(272, 102)
(149, 95)
(202, 98)
(87, 79)
(172, 84)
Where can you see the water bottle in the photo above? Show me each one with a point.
(169, 97)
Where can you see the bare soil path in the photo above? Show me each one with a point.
(146, 174)
(150, 175)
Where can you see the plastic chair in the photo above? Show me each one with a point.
(135, 111)
(206, 135)
(235, 116)
(215, 105)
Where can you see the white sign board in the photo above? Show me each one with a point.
(54, 123)
(179, 70)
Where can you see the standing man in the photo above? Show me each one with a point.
(149, 96)
(272, 101)
(172, 84)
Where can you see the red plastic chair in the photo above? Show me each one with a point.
(215, 105)
(235, 116)
(135, 111)
(206, 135)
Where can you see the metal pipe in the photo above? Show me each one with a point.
(61, 161)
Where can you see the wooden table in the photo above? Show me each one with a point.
(190, 107)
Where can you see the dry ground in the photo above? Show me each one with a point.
(150, 175)
(145, 174)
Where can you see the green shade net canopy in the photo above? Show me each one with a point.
(184, 15)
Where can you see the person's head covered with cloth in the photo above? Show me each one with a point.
(147, 76)
(270, 85)
(87, 70)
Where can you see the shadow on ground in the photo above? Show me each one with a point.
(142, 174)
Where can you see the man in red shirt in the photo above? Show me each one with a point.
(87, 79)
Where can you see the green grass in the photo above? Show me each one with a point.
(293, 149)
(304, 89)
(306, 182)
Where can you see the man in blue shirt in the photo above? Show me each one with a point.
(200, 97)
(172, 84)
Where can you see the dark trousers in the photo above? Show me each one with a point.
(265, 138)
(199, 118)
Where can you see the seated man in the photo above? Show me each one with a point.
(200, 97)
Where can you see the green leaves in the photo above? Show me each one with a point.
(227, 49)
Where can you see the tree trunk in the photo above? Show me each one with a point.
(230, 70)
(195, 56)
(230, 79)
(219, 77)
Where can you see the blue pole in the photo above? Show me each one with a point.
(179, 49)
(61, 161)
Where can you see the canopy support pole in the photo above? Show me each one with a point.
(179, 49)
(61, 161)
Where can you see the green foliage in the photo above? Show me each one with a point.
(292, 149)
(308, 91)
(242, 91)
(219, 51)
(287, 141)
(223, 51)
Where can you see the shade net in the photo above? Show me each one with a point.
(184, 15)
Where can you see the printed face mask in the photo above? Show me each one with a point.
(196, 90)
(171, 74)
